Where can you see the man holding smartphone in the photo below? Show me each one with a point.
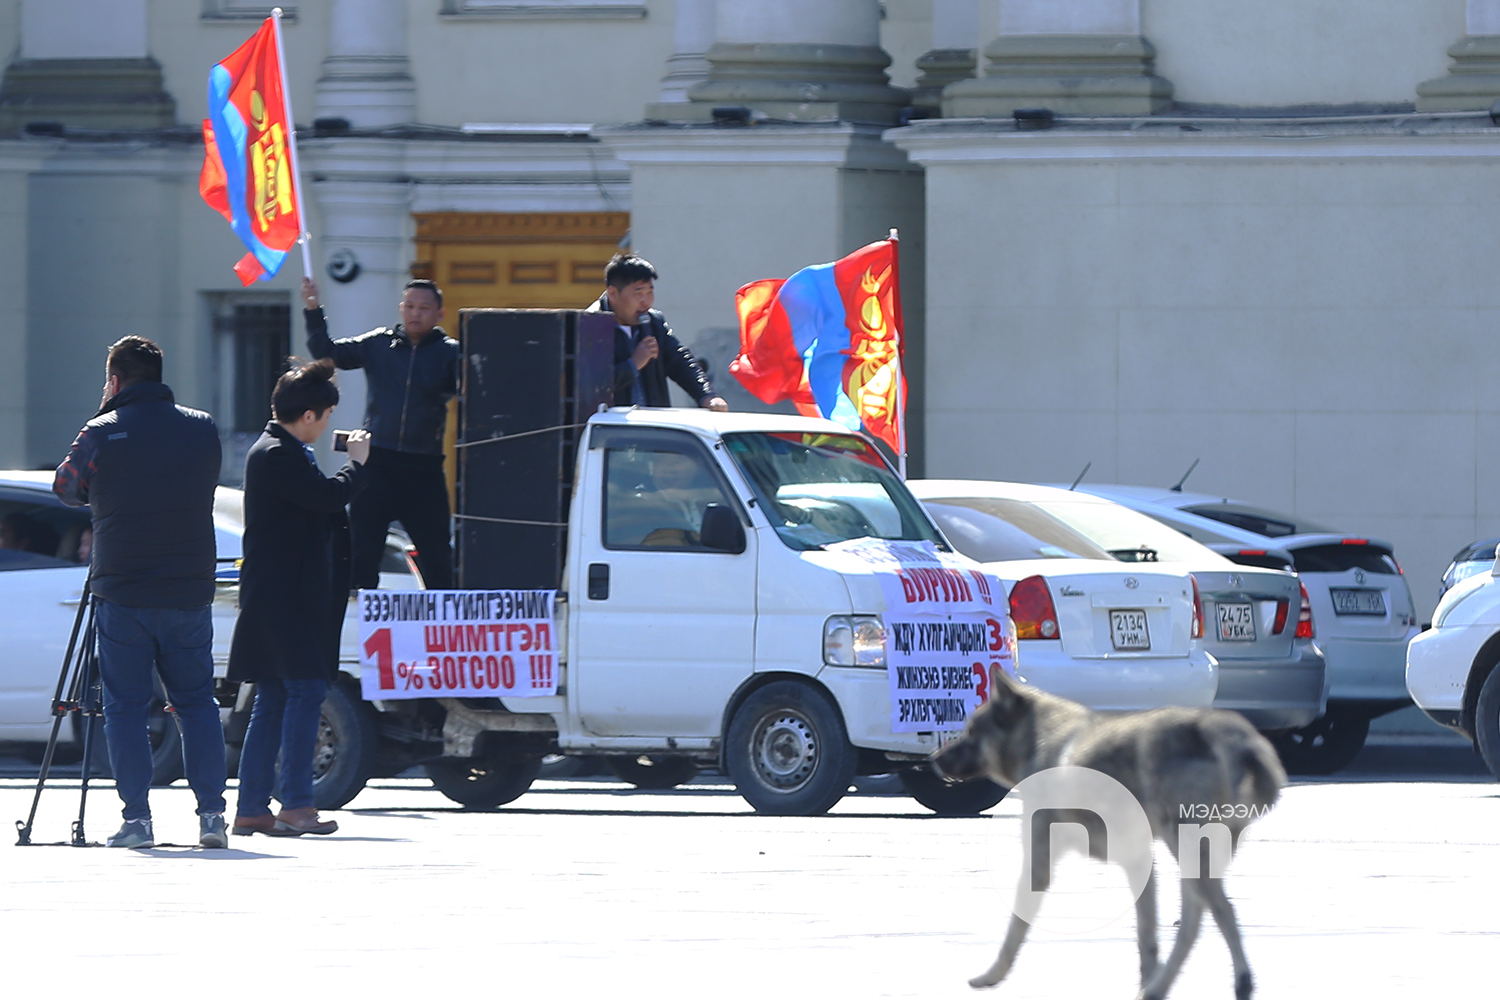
(293, 594)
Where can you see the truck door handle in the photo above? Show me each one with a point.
(598, 581)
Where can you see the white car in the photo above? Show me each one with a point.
(1256, 624)
(41, 586)
(1361, 606)
(1110, 636)
(1451, 669)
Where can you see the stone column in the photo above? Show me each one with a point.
(1473, 81)
(692, 34)
(1084, 57)
(953, 56)
(84, 63)
(366, 75)
(796, 61)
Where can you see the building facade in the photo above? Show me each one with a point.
(1251, 234)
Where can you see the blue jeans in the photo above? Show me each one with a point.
(285, 720)
(178, 644)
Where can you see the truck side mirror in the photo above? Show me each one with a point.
(721, 530)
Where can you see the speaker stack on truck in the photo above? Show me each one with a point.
(530, 379)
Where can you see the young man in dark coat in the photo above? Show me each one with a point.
(646, 352)
(293, 592)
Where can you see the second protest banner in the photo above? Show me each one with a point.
(457, 643)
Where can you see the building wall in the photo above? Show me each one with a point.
(1316, 327)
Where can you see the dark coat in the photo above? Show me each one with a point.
(672, 361)
(294, 579)
(408, 388)
(147, 468)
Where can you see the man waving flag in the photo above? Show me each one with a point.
(829, 339)
(250, 154)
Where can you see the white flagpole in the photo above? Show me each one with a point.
(304, 237)
(900, 407)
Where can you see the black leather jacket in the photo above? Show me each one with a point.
(673, 361)
(406, 404)
(147, 468)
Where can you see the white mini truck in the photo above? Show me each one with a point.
(715, 610)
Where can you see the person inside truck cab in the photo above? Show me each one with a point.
(646, 352)
(657, 498)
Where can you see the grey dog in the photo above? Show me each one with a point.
(1168, 758)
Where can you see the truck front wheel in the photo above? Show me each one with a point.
(788, 752)
(485, 782)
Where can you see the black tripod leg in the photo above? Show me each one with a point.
(90, 706)
(60, 709)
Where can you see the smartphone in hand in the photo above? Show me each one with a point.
(341, 440)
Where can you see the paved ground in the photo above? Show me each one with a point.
(1375, 885)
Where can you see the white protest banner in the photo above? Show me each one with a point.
(940, 668)
(456, 643)
(947, 628)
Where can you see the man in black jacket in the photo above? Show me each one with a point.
(411, 372)
(147, 468)
(293, 592)
(646, 352)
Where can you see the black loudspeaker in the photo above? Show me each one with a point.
(531, 378)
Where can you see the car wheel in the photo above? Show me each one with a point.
(653, 771)
(788, 751)
(1326, 745)
(966, 798)
(484, 782)
(1487, 722)
(344, 757)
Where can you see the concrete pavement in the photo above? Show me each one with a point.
(1363, 887)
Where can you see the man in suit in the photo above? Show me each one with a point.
(293, 591)
(646, 352)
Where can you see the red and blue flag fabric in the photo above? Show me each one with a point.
(829, 339)
(248, 176)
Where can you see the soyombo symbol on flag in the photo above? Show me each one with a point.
(249, 162)
(829, 339)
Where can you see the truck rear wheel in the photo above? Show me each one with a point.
(484, 782)
(344, 757)
(788, 752)
(653, 771)
(966, 798)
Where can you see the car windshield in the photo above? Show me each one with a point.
(989, 529)
(817, 489)
(1129, 536)
(1262, 522)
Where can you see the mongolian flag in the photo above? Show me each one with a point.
(829, 339)
(249, 170)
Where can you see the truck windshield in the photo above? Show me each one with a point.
(818, 489)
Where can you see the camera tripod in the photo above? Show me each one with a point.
(81, 683)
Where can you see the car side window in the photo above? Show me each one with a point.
(656, 491)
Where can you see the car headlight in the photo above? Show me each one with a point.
(854, 641)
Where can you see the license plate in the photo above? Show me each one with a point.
(1357, 602)
(1236, 622)
(1127, 630)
